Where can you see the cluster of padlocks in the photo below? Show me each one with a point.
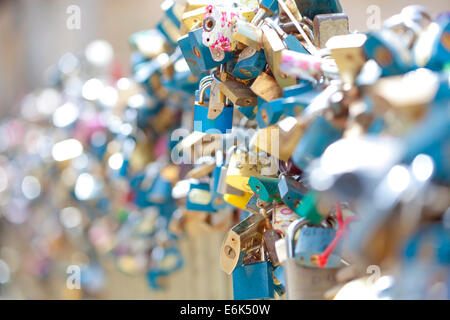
(322, 153)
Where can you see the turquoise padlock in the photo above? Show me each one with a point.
(253, 281)
(200, 198)
(249, 65)
(220, 125)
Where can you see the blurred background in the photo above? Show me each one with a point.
(34, 36)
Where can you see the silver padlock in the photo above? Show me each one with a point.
(305, 283)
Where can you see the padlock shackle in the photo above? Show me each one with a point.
(204, 84)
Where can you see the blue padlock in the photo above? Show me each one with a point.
(313, 241)
(171, 10)
(160, 191)
(197, 55)
(249, 67)
(436, 53)
(220, 125)
(434, 236)
(200, 198)
(169, 30)
(432, 137)
(382, 47)
(291, 191)
(317, 137)
(253, 281)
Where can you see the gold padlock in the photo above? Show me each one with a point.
(347, 51)
(266, 87)
(242, 242)
(329, 25)
(273, 46)
(240, 170)
(280, 140)
(238, 93)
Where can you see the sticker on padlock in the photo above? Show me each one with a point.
(282, 218)
(242, 242)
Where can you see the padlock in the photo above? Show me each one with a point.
(222, 124)
(250, 64)
(304, 283)
(193, 19)
(197, 55)
(295, 97)
(273, 47)
(291, 191)
(169, 30)
(253, 281)
(308, 209)
(216, 99)
(266, 7)
(149, 43)
(240, 170)
(281, 139)
(239, 201)
(383, 47)
(266, 87)
(173, 11)
(160, 191)
(347, 51)
(200, 198)
(220, 185)
(217, 27)
(432, 48)
(266, 188)
(311, 8)
(238, 93)
(317, 137)
(270, 237)
(313, 241)
(291, 42)
(329, 25)
(242, 243)
(248, 34)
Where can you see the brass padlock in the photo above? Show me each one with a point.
(347, 51)
(266, 87)
(329, 25)
(281, 139)
(273, 47)
(238, 93)
(248, 34)
(243, 242)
